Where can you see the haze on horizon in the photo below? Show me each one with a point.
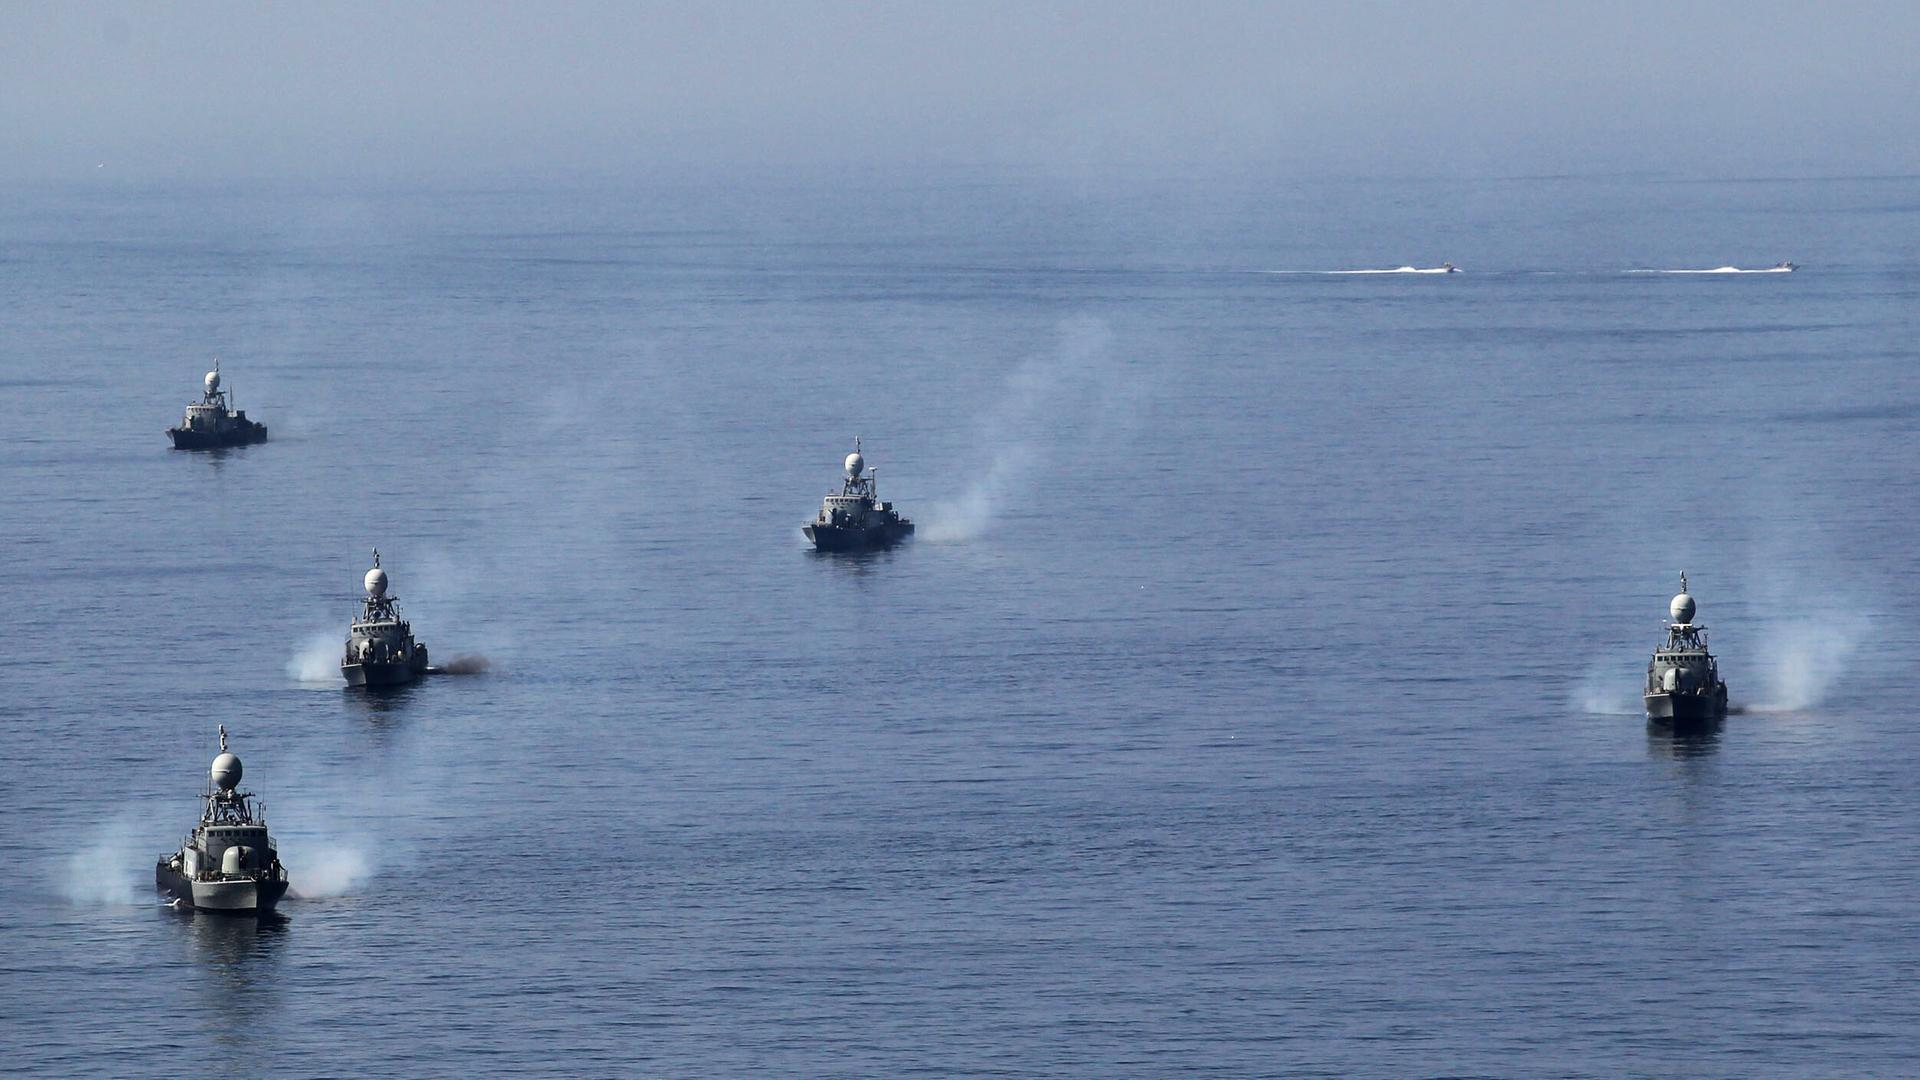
(433, 91)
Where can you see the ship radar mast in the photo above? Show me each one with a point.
(378, 603)
(214, 395)
(226, 803)
(859, 479)
(1681, 629)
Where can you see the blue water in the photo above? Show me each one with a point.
(1258, 698)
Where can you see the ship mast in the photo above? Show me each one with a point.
(378, 603)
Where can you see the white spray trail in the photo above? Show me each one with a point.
(331, 869)
(1804, 660)
(318, 660)
(341, 826)
(1075, 388)
(1607, 691)
(105, 870)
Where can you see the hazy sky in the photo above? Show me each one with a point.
(399, 90)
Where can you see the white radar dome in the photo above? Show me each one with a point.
(226, 772)
(213, 381)
(1682, 608)
(856, 465)
(376, 582)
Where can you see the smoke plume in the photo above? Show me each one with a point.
(1052, 403)
(318, 660)
(330, 870)
(1608, 691)
(106, 871)
(1803, 660)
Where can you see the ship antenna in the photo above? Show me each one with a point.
(1683, 581)
(376, 558)
(223, 738)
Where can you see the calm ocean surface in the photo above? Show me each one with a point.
(1259, 697)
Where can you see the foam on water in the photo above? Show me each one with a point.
(1389, 270)
(1721, 270)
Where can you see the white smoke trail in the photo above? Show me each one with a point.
(1803, 660)
(340, 826)
(330, 870)
(1078, 388)
(1607, 691)
(318, 660)
(107, 870)
(969, 515)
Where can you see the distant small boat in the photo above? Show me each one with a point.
(1786, 267)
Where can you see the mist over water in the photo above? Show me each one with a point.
(1079, 397)
(329, 870)
(318, 658)
(1268, 661)
(1805, 662)
(105, 866)
(1610, 690)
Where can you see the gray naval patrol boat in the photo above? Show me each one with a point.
(1683, 680)
(210, 423)
(380, 646)
(855, 519)
(228, 862)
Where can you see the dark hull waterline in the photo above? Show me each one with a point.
(1686, 708)
(391, 674)
(189, 439)
(264, 894)
(840, 538)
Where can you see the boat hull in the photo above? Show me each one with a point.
(190, 439)
(381, 674)
(842, 538)
(1687, 708)
(236, 896)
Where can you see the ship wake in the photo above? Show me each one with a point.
(1381, 270)
(1722, 270)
